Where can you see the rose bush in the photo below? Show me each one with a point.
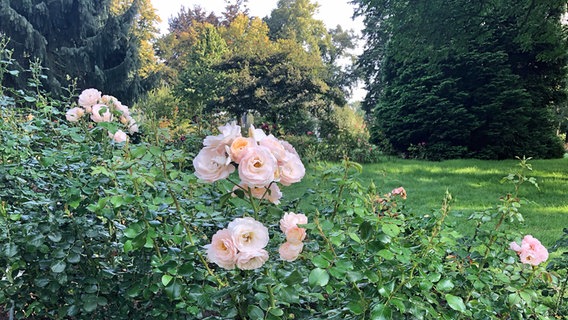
(91, 229)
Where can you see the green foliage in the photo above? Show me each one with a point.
(80, 41)
(483, 90)
(95, 229)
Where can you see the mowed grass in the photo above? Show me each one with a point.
(475, 185)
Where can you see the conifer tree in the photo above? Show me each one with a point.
(75, 39)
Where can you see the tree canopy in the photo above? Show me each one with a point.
(465, 78)
(96, 42)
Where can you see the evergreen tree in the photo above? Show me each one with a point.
(81, 40)
(465, 78)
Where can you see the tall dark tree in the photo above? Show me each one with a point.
(79, 39)
(465, 78)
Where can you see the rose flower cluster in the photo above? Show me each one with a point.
(262, 160)
(103, 108)
(291, 249)
(242, 243)
(531, 251)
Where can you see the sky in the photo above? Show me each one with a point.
(331, 12)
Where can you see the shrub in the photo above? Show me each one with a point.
(94, 228)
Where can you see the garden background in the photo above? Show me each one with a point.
(120, 169)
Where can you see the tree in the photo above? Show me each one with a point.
(465, 78)
(80, 40)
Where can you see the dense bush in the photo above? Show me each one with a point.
(94, 228)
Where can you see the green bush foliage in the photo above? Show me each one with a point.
(90, 228)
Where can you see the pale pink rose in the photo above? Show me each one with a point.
(290, 251)
(132, 127)
(292, 170)
(273, 194)
(399, 192)
(295, 234)
(531, 251)
(288, 147)
(222, 250)
(258, 167)
(238, 146)
(74, 114)
(109, 100)
(89, 97)
(257, 134)
(229, 132)
(211, 165)
(275, 147)
(515, 247)
(249, 260)
(248, 234)
(101, 113)
(291, 220)
(119, 136)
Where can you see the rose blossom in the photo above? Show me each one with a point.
(248, 234)
(275, 147)
(249, 260)
(237, 148)
(73, 114)
(119, 136)
(89, 97)
(257, 134)
(531, 251)
(101, 113)
(288, 147)
(222, 250)
(295, 234)
(229, 132)
(290, 251)
(292, 170)
(399, 191)
(291, 220)
(258, 167)
(211, 165)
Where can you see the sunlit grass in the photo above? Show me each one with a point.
(476, 185)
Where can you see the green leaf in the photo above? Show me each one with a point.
(166, 278)
(381, 312)
(386, 254)
(173, 290)
(318, 277)
(391, 229)
(445, 285)
(320, 262)
(455, 302)
(277, 312)
(29, 99)
(58, 266)
(90, 302)
(354, 237)
(293, 278)
(356, 307)
(255, 312)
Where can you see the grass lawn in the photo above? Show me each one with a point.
(475, 186)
